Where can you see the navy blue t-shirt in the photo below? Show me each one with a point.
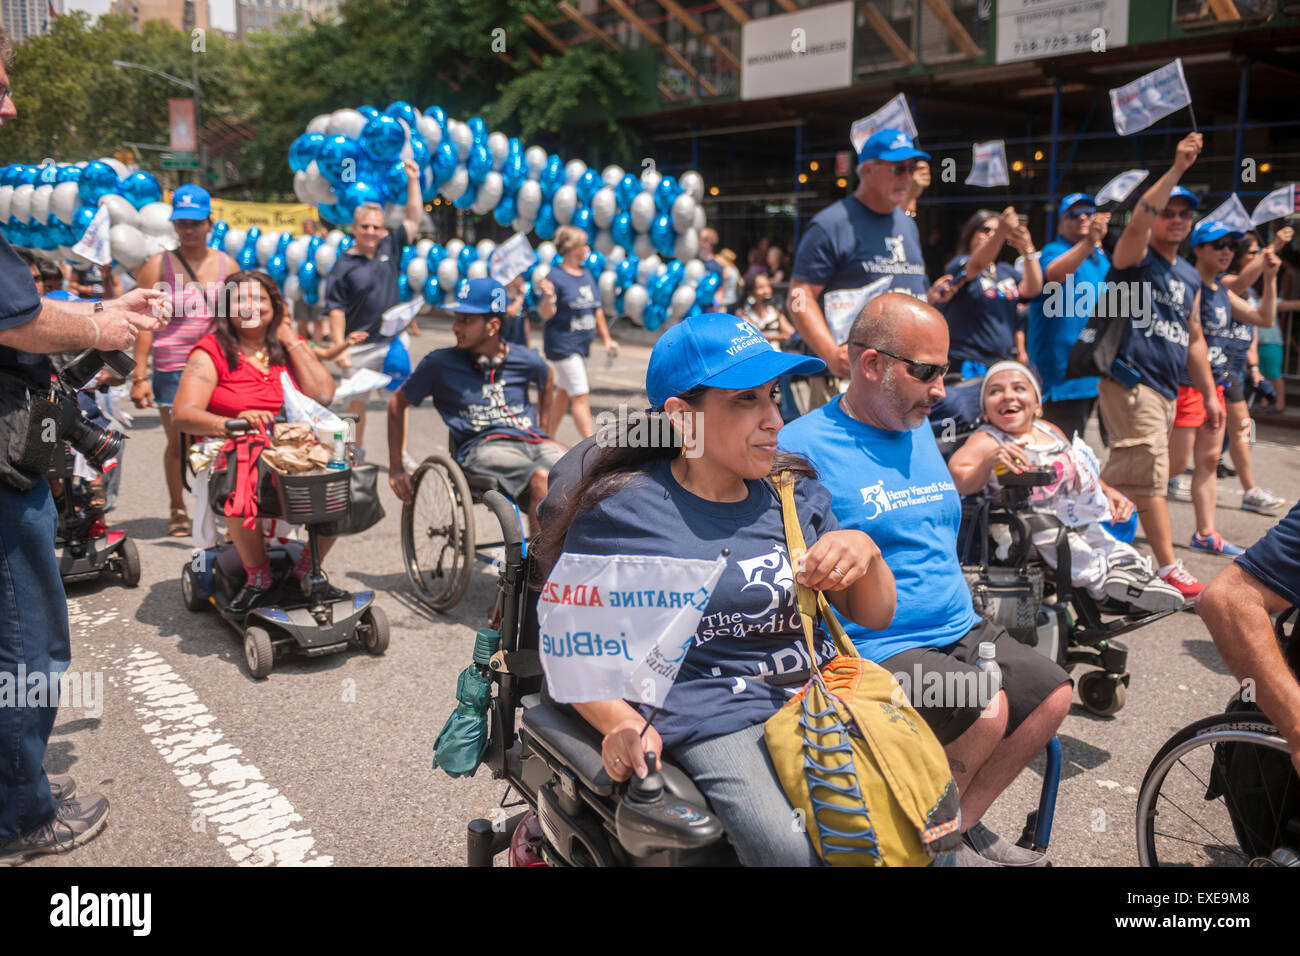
(1216, 324)
(19, 304)
(750, 628)
(573, 327)
(847, 246)
(1158, 350)
(477, 404)
(366, 288)
(982, 315)
(1274, 560)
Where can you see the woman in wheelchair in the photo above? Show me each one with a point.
(234, 372)
(1015, 439)
(714, 377)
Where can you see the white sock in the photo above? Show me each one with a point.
(1166, 569)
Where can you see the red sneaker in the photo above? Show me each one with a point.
(1180, 578)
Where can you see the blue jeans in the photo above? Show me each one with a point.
(33, 636)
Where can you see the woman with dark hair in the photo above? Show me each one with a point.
(714, 378)
(983, 327)
(234, 372)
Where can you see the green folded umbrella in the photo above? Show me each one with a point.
(459, 747)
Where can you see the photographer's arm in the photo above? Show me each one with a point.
(71, 326)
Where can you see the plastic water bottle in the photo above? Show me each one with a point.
(991, 674)
(339, 460)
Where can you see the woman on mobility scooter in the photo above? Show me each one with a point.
(1015, 438)
(234, 372)
(715, 377)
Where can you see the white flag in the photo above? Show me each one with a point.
(989, 164)
(511, 258)
(1138, 104)
(94, 245)
(1280, 202)
(1232, 214)
(893, 115)
(618, 627)
(1122, 186)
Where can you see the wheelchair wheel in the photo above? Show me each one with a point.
(438, 532)
(1221, 792)
(1102, 693)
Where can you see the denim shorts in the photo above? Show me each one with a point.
(165, 385)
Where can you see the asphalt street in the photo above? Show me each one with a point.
(329, 760)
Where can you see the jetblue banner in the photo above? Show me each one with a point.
(893, 115)
(618, 627)
(989, 164)
(1280, 202)
(94, 246)
(1232, 214)
(1149, 98)
(1121, 187)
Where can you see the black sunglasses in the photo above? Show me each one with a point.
(1079, 213)
(921, 371)
(1221, 244)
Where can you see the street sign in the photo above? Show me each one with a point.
(180, 160)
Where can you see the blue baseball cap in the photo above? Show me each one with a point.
(1178, 192)
(721, 351)
(1207, 230)
(191, 202)
(891, 145)
(1072, 200)
(481, 297)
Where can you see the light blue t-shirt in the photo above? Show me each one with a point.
(1048, 339)
(895, 487)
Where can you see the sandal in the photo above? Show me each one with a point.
(179, 525)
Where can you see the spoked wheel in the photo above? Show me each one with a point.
(1221, 792)
(438, 532)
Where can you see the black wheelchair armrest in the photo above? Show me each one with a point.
(572, 741)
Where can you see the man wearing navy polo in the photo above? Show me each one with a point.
(1074, 269)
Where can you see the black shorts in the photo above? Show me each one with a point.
(939, 681)
(1233, 390)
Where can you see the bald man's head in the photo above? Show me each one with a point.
(902, 323)
(891, 334)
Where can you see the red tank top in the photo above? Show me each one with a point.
(246, 387)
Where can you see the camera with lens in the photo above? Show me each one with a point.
(56, 416)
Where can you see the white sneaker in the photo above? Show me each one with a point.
(1180, 488)
(1261, 500)
(1135, 585)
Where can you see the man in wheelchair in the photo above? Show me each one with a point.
(480, 388)
(1015, 439)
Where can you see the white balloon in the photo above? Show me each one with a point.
(334, 237)
(694, 271)
(20, 206)
(326, 256)
(563, 204)
(267, 243)
(477, 270)
(346, 122)
(699, 219)
(428, 127)
(453, 247)
(321, 191)
(117, 166)
(607, 282)
(7, 194)
(642, 212)
(612, 175)
(687, 245)
(498, 145)
(394, 215)
(448, 273)
(604, 243)
(320, 124)
(542, 271)
(535, 161)
(647, 268)
(693, 183)
(296, 254)
(292, 288)
(129, 246)
(423, 246)
(156, 221)
(300, 188)
(683, 213)
(615, 255)
(682, 300)
(489, 194)
(461, 137)
(417, 272)
(234, 240)
(642, 246)
(41, 203)
(483, 248)
(650, 180)
(529, 199)
(545, 251)
(604, 206)
(523, 225)
(634, 299)
(120, 212)
(456, 185)
(573, 170)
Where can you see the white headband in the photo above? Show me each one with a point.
(1008, 365)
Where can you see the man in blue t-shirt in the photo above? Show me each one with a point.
(1237, 607)
(874, 451)
(1162, 338)
(480, 388)
(1074, 270)
(857, 248)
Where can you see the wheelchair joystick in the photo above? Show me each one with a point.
(650, 818)
(651, 788)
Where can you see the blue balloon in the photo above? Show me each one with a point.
(706, 289)
(314, 243)
(48, 175)
(428, 183)
(438, 114)
(358, 193)
(419, 151)
(675, 269)
(333, 213)
(401, 110)
(63, 234)
(403, 288)
(382, 138)
(304, 149)
(394, 181)
(32, 174)
(372, 170)
(666, 193)
(408, 253)
(433, 291)
(81, 219)
(661, 289)
(477, 128)
(625, 272)
(552, 177)
(662, 235)
(653, 316)
(513, 173)
(466, 258)
(277, 268)
(556, 261)
(478, 163)
(337, 155)
(587, 185)
(247, 258)
(282, 244)
(504, 214)
(545, 224)
(444, 161)
(582, 219)
(693, 311)
(628, 188)
(619, 306)
(308, 275)
(7, 174)
(622, 232)
(68, 174)
(216, 241)
(514, 147)
(369, 112)
(467, 198)
(596, 263)
(436, 254)
(250, 238)
(345, 244)
(97, 180)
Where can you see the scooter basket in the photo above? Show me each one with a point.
(313, 497)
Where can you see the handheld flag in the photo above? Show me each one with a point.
(989, 164)
(1280, 202)
(619, 627)
(1232, 214)
(1121, 187)
(1149, 98)
(94, 244)
(511, 258)
(893, 115)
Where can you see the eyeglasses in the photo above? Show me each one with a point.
(1078, 214)
(921, 371)
(1168, 213)
(1221, 244)
(904, 168)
